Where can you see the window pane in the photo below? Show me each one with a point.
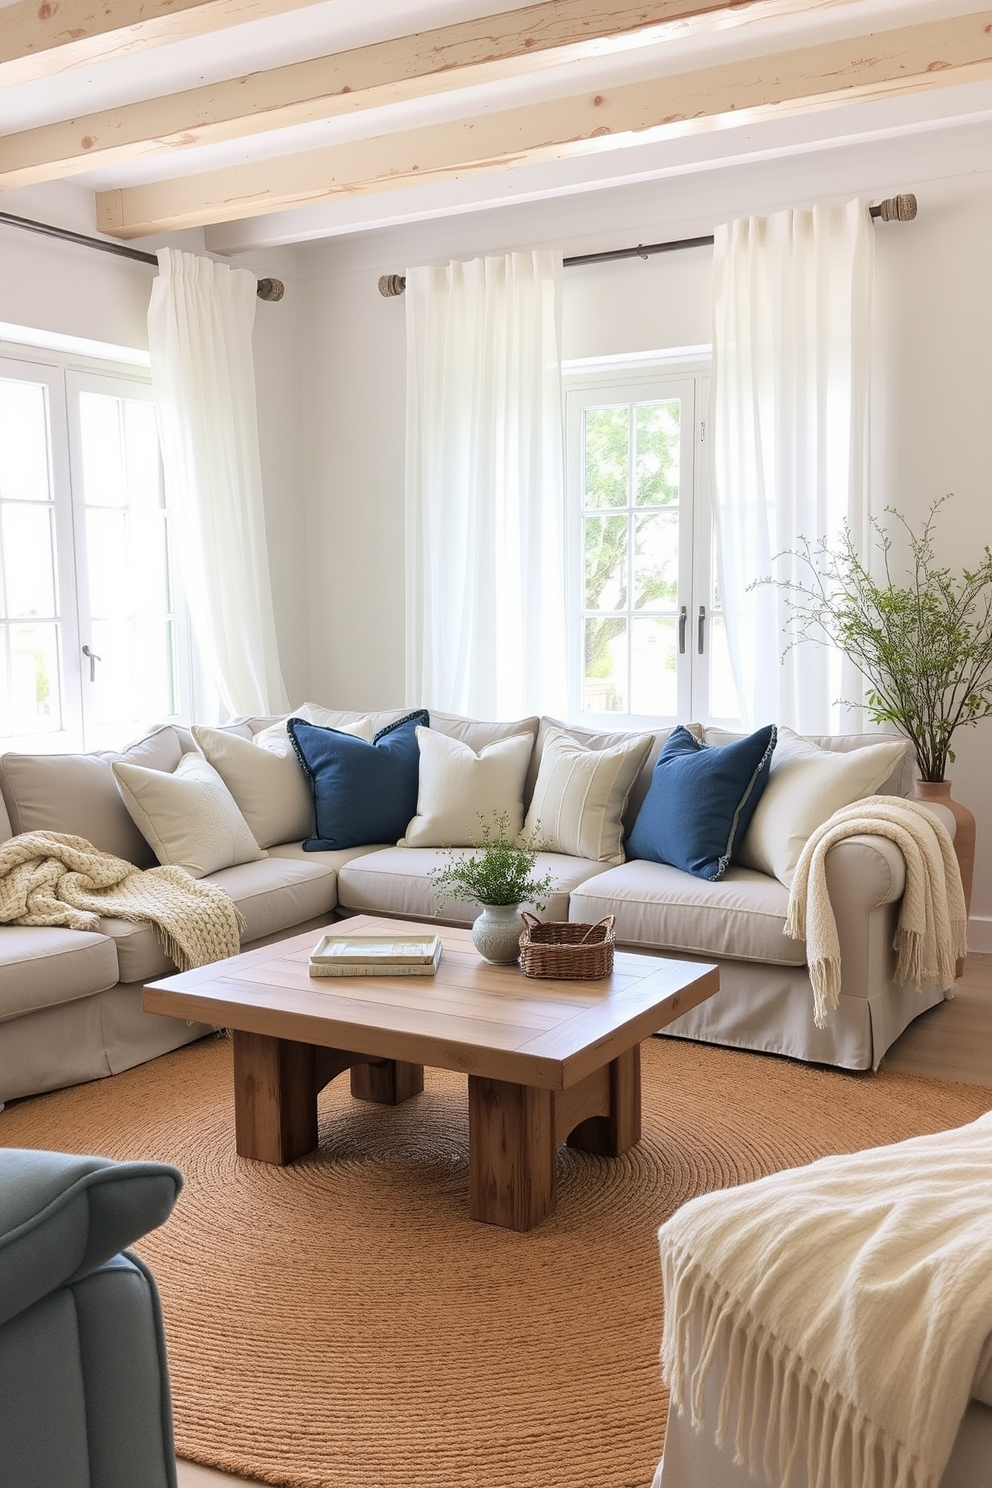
(606, 563)
(723, 690)
(605, 686)
(144, 470)
(656, 461)
(606, 445)
(24, 472)
(656, 561)
(28, 547)
(107, 565)
(653, 663)
(131, 621)
(34, 681)
(103, 454)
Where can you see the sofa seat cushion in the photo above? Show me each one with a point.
(397, 881)
(273, 894)
(42, 966)
(740, 916)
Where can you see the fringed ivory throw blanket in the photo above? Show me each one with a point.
(853, 1300)
(930, 933)
(50, 878)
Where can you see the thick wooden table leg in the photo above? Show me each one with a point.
(511, 1153)
(388, 1081)
(275, 1098)
(612, 1134)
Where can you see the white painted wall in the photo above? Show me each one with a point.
(71, 290)
(931, 429)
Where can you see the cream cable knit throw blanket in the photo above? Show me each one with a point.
(853, 1299)
(49, 878)
(932, 923)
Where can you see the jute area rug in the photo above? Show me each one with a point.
(341, 1323)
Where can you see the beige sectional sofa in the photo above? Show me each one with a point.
(70, 1001)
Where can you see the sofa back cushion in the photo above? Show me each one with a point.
(77, 793)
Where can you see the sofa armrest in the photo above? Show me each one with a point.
(62, 1217)
(866, 876)
(864, 872)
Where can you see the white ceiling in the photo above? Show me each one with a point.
(133, 68)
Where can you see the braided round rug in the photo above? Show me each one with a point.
(342, 1323)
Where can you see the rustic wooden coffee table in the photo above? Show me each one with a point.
(547, 1061)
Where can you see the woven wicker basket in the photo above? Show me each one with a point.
(570, 952)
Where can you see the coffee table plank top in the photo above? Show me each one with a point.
(470, 1016)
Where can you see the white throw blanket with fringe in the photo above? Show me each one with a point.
(932, 923)
(52, 878)
(853, 1299)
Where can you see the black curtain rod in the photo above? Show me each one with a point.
(893, 209)
(266, 289)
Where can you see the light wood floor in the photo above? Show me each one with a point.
(950, 1042)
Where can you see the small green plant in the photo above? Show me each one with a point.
(497, 872)
(924, 646)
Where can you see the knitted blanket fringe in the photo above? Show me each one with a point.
(931, 928)
(780, 1410)
(829, 1324)
(53, 878)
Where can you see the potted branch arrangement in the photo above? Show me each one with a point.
(924, 646)
(499, 875)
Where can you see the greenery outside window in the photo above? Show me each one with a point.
(647, 635)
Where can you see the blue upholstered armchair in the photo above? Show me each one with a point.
(84, 1387)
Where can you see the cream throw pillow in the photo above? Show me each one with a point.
(460, 791)
(580, 795)
(266, 780)
(806, 786)
(189, 818)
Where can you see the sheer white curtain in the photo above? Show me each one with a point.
(484, 487)
(200, 321)
(789, 421)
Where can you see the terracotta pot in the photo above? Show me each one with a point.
(939, 792)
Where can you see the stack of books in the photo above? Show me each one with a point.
(375, 955)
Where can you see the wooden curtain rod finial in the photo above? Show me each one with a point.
(391, 285)
(896, 208)
(270, 289)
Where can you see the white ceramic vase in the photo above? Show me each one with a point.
(496, 933)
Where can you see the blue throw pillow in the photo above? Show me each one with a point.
(700, 801)
(362, 792)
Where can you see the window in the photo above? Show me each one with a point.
(648, 641)
(92, 641)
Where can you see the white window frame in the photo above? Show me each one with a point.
(66, 374)
(685, 375)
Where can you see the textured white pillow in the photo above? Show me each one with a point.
(363, 726)
(806, 786)
(266, 780)
(580, 795)
(189, 818)
(460, 790)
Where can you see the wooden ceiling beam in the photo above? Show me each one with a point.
(905, 60)
(407, 68)
(39, 40)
